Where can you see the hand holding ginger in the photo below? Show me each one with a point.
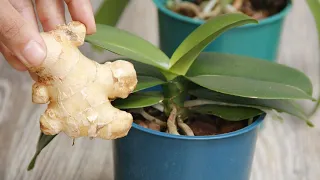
(20, 40)
(79, 90)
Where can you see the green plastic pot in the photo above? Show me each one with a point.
(253, 40)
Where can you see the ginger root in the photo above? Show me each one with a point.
(79, 90)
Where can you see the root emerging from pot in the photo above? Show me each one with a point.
(195, 125)
(152, 118)
(172, 124)
(187, 9)
(185, 128)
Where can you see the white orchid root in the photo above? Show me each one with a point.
(171, 123)
(151, 118)
(185, 128)
(187, 7)
(215, 12)
(79, 90)
(237, 4)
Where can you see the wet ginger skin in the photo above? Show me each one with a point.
(78, 90)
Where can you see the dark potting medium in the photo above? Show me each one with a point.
(254, 40)
(145, 154)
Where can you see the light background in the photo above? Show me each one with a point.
(285, 151)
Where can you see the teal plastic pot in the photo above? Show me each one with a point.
(145, 154)
(254, 40)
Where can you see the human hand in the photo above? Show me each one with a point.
(20, 40)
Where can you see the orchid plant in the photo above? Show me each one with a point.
(231, 87)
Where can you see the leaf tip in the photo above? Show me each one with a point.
(32, 163)
(310, 124)
(314, 99)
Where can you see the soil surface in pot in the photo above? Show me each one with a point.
(204, 9)
(199, 124)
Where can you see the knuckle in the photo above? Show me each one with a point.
(21, 6)
(11, 30)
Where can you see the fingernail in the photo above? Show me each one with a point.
(33, 53)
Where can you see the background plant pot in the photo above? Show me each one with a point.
(254, 40)
(145, 154)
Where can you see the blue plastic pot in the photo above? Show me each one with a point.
(254, 40)
(145, 154)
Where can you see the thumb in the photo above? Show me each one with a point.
(20, 37)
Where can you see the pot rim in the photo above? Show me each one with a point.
(214, 137)
(276, 17)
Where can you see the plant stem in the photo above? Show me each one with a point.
(174, 96)
(172, 127)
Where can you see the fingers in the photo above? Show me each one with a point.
(25, 8)
(11, 59)
(20, 37)
(50, 13)
(81, 10)
(33, 76)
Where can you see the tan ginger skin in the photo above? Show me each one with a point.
(79, 90)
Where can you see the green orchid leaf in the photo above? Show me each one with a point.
(244, 87)
(286, 106)
(139, 100)
(191, 47)
(249, 77)
(314, 6)
(145, 82)
(147, 70)
(143, 69)
(229, 113)
(128, 45)
(43, 141)
(110, 12)
(148, 76)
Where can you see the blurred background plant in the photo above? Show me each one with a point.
(206, 9)
(110, 11)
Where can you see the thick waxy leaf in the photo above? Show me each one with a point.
(126, 44)
(249, 77)
(43, 141)
(230, 113)
(190, 48)
(314, 6)
(148, 76)
(147, 70)
(139, 100)
(144, 69)
(110, 11)
(286, 106)
(243, 87)
(145, 82)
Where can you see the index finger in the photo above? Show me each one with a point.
(81, 10)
